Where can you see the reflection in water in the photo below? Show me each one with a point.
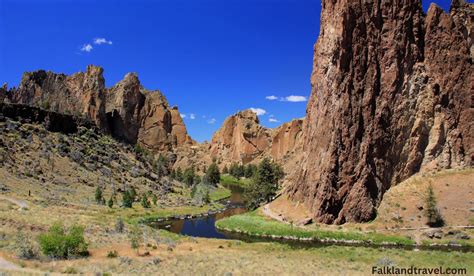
(205, 226)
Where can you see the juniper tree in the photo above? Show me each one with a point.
(98, 195)
(213, 175)
(432, 213)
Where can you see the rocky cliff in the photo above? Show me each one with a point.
(127, 111)
(241, 139)
(392, 95)
(79, 94)
(287, 139)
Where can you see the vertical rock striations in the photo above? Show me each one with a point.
(127, 111)
(79, 94)
(241, 138)
(392, 95)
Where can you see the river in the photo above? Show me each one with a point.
(205, 226)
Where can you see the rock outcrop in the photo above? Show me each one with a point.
(127, 111)
(79, 94)
(52, 121)
(392, 95)
(161, 126)
(287, 139)
(241, 138)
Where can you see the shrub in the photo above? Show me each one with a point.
(119, 225)
(432, 213)
(112, 254)
(136, 237)
(24, 247)
(155, 199)
(61, 243)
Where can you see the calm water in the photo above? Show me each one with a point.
(205, 226)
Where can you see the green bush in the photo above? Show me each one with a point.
(63, 243)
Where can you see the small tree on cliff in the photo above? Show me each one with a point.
(432, 213)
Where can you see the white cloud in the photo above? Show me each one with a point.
(294, 99)
(86, 48)
(211, 121)
(192, 116)
(259, 111)
(273, 120)
(271, 98)
(183, 115)
(102, 40)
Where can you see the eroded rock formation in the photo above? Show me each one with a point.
(241, 139)
(127, 111)
(392, 95)
(287, 139)
(79, 94)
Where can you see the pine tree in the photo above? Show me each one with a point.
(133, 194)
(264, 185)
(110, 203)
(213, 175)
(173, 174)
(189, 175)
(98, 195)
(432, 213)
(155, 200)
(145, 202)
(179, 174)
(127, 201)
(225, 170)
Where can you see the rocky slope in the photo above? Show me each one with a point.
(241, 139)
(392, 95)
(127, 111)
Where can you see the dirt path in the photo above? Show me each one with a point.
(20, 203)
(269, 213)
(6, 265)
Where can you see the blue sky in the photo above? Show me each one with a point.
(210, 57)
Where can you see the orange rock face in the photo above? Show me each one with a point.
(79, 94)
(127, 111)
(287, 139)
(392, 95)
(240, 139)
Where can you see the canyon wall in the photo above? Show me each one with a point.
(392, 95)
(127, 111)
(241, 139)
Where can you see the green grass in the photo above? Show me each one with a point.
(227, 179)
(254, 224)
(220, 193)
(138, 214)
